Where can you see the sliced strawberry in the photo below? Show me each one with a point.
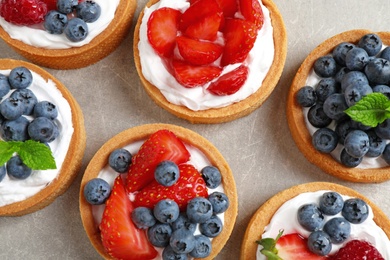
(162, 30)
(198, 52)
(240, 36)
(357, 249)
(206, 28)
(191, 76)
(229, 7)
(229, 83)
(190, 185)
(120, 238)
(160, 146)
(252, 12)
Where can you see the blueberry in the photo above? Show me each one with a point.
(20, 78)
(76, 30)
(2, 172)
(212, 176)
(338, 229)
(15, 130)
(319, 243)
(96, 191)
(334, 107)
(66, 6)
(17, 169)
(143, 217)
(317, 116)
(377, 144)
(306, 96)
(386, 154)
(166, 211)
(89, 11)
(371, 43)
(169, 254)
(182, 241)
(325, 66)
(340, 74)
(340, 51)
(199, 210)
(360, 126)
(11, 108)
(160, 234)
(219, 201)
(331, 203)
(43, 130)
(356, 59)
(348, 160)
(120, 160)
(355, 92)
(45, 109)
(357, 143)
(167, 173)
(212, 227)
(4, 86)
(343, 128)
(28, 99)
(55, 22)
(325, 88)
(378, 71)
(183, 222)
(384, 89)
(352, 77)
(383, 129)
(385, 53)
(202, 247)
(310, 217)
(325, 140)
(355, 210)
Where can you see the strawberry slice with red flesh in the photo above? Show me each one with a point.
(162, 29)
(120, 238)
(230, 82)
(206, 28)
(357, 249)
(252, 12)
(190, 185)
(161, 145)
(190, 76)
(240, 36)
(229, 7)
(198, 52)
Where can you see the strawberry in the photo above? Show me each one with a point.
(161, 145)
(162, 30)
(51, 4)
(252, 12)
(206, 28)
(230, 82)
(229, 7)
(198, 52)
(120, 238)
(23, 12)
(190, 185)
(357, 249)
(191, 76)
(240, 36)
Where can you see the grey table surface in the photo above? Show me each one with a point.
(259, 148)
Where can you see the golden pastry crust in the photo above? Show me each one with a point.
(296, 119)
(236, 110)
(100, 159)
(264, 214)
(73, 159)
(78, 57)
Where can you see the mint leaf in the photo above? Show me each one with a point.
(36, 155)
(7, 149)
(269, 247)
(371, 110)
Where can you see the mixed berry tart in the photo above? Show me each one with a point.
(42, 138)
(158, 191)
(210, 61)
(336, 106)
(65, 34)
(317, 220)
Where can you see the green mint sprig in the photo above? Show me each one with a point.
(269, 247)
(371, 110)
(36, 155)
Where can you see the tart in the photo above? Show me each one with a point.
(262, 217)
(226, 112)
(141, 133)
(75, 144)
(297, 120)
(77, 57)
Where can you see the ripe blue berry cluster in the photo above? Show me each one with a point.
(349, 73)
(71, 18)
(336, 228)
(23, 117)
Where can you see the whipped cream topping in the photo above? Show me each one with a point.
(12, 190)
(259, 61)
(40, 38)
(284, 219)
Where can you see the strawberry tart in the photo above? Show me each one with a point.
(346, 226)
(42, 143)
(66, 35)
(311, 124)
(156, 191)
(211, 62)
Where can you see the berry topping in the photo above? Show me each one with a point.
(252, 12)
(120, 160)
(199, 210)
(357, 249)
(96, 191)
(230, 82)
(89, 11)
(166, 211)
(17, 169)
(310, 217)
(212, 176)
(211, 227)
(202, 247)
(206, 28)
(167, 173)
(143, 218)
(51, 4)
(319, 243)
(159, 234)
(355, 210)
(76, 30)
(23, 12)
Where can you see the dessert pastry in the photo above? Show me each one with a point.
(375, 229)
(96, 218)
(372, 168)
(21, 194)
(220, 89)
(57, 52)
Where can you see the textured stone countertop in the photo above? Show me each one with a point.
(259, 148)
